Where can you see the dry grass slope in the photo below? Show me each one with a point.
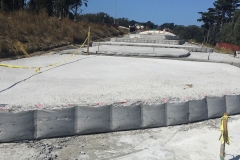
(21, 31)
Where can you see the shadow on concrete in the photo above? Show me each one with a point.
(13, 85)
(234, 157)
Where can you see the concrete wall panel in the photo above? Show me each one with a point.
(92, 119)
(177, 113)
(153, 115)
(199, 49)
(190, 49)
(233, 104)
(204, 49)
(216, 106)
(41, 124)
(198, 110)
(126, 118)
(209, 50)
(16, 126)
(55, 123)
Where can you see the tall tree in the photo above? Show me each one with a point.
(218, 17)
(75, 7)
(236, 31)
(180, 31)
(208, 19)
(167, 25)
(225, 10)
(231, 31)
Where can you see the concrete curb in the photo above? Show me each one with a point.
(182, 58)
(144, 44)
(39, 124)
(142, 54)
(143, 40)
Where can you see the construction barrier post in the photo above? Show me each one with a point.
(89, 29)
(224, 135)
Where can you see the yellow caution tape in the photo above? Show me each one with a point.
(224, 130)
(37, 69)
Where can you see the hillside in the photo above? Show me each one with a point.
(21, 31)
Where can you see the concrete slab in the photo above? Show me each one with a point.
(92, 80)
(141, 40)
(218, 57)
(146, 51)
(160, 36)
(197, 141)
(145, 44)
(164, 52)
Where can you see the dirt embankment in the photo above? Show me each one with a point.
(21, 31)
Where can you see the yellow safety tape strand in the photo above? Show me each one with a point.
(38, 69)
(224, 133)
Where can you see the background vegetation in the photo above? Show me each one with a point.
(34, 25)
(31, 26)
(222, 23)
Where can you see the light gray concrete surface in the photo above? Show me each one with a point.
(187, 47)
(160, 36)
(88, 80)
(163, 52)
(142, 40)
(218, 57)
(96, 80)
(148, 37)
(141, 51)
(197, 141)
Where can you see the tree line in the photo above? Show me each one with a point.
(221, 23)
(184, 32)
(61, 8)
(102, 17)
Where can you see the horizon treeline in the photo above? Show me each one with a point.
(220, 23)
(59, 8)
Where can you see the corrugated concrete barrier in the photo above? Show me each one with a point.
(40, 124)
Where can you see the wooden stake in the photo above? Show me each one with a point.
(89, 29)
(222, 151)
(224, 136)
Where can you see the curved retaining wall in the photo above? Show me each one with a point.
(160, 37)
(39, 124)
(156, 45)
(143, 40)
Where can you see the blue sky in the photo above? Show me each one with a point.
(180, 12)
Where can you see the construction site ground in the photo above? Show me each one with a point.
(94, 80)
(197, 141)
